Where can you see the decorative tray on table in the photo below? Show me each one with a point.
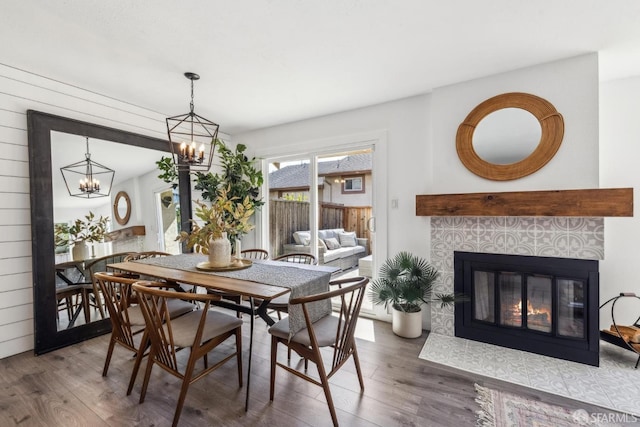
(236, 264)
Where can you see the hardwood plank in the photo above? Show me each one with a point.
(66, 387)
(603, 202)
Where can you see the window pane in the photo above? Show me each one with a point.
(353, 184)
(484, 296)
(539, 303)
(571, 308)
(510, 286)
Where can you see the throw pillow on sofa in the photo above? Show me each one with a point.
(348, 239)
(302, 237)
(332, 243)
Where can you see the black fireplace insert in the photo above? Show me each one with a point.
(543, 305)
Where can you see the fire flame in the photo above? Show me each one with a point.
(531, 310)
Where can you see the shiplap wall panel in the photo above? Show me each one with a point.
(15, 249)
(14, 265)
(15, 200)
(11, 282)
(16, 297)
(12, 167)
(21, 91)
(13, 135)
(102, 111)
(10, 217)
(17, 313)
(13, 184)
(17, 345)
(11, 118)
(15, 330)
(14, 152)
(15, 233)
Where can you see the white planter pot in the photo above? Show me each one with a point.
(406, 325)
(220, 252)
(80, 251)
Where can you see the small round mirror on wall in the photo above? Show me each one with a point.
(122, 208)
(509, 136)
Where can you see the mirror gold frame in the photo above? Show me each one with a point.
(551, 124)
(122, 196)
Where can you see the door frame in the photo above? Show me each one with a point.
(312, 149)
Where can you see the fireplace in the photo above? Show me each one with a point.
(542, 305)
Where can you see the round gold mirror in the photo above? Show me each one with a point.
(122, 208)
(499, 129)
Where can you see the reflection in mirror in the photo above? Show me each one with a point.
(78, 301)
(506, 136)
(122, 208)
(67, 309)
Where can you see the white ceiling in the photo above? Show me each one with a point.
(266, 62)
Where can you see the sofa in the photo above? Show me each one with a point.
(336, 247)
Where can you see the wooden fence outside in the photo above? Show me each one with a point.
(287, 217)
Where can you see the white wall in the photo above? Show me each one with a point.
(142, 191)
(408, 140)
(619, 154)
(422, 157)
(19, 92)
(571, 85)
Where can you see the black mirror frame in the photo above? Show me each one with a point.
(40, 125)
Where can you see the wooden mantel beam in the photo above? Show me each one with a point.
(125, 233)
(603, 202)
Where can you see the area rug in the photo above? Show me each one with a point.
(501, 409)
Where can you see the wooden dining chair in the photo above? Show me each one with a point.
(201, 331)
(298, 258)
(144, 255)
(94, 266)
(334, 330)
(126, 316)
(255, 254)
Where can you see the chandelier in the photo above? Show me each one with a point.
(94, 180)
(192, 138)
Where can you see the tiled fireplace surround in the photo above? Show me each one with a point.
(566, 237)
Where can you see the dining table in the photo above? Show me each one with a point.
(255, 280)
(71, 281)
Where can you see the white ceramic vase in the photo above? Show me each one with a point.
(406, 325)
(80, 251)
(220, 252)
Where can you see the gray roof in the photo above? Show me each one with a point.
(297, 176)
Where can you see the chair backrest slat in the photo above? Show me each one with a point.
(298, 258)
(351, 297)
(117, 295)
(255, 254)
(144, 255)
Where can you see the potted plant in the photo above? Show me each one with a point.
(405, 283)
(239, 179)
(226, 218)
(91, 229)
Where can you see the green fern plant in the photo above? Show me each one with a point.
(406, 282)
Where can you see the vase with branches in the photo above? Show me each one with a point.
(90, 229)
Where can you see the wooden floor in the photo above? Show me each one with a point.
(65, 388)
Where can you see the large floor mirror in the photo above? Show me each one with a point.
(54, 140)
